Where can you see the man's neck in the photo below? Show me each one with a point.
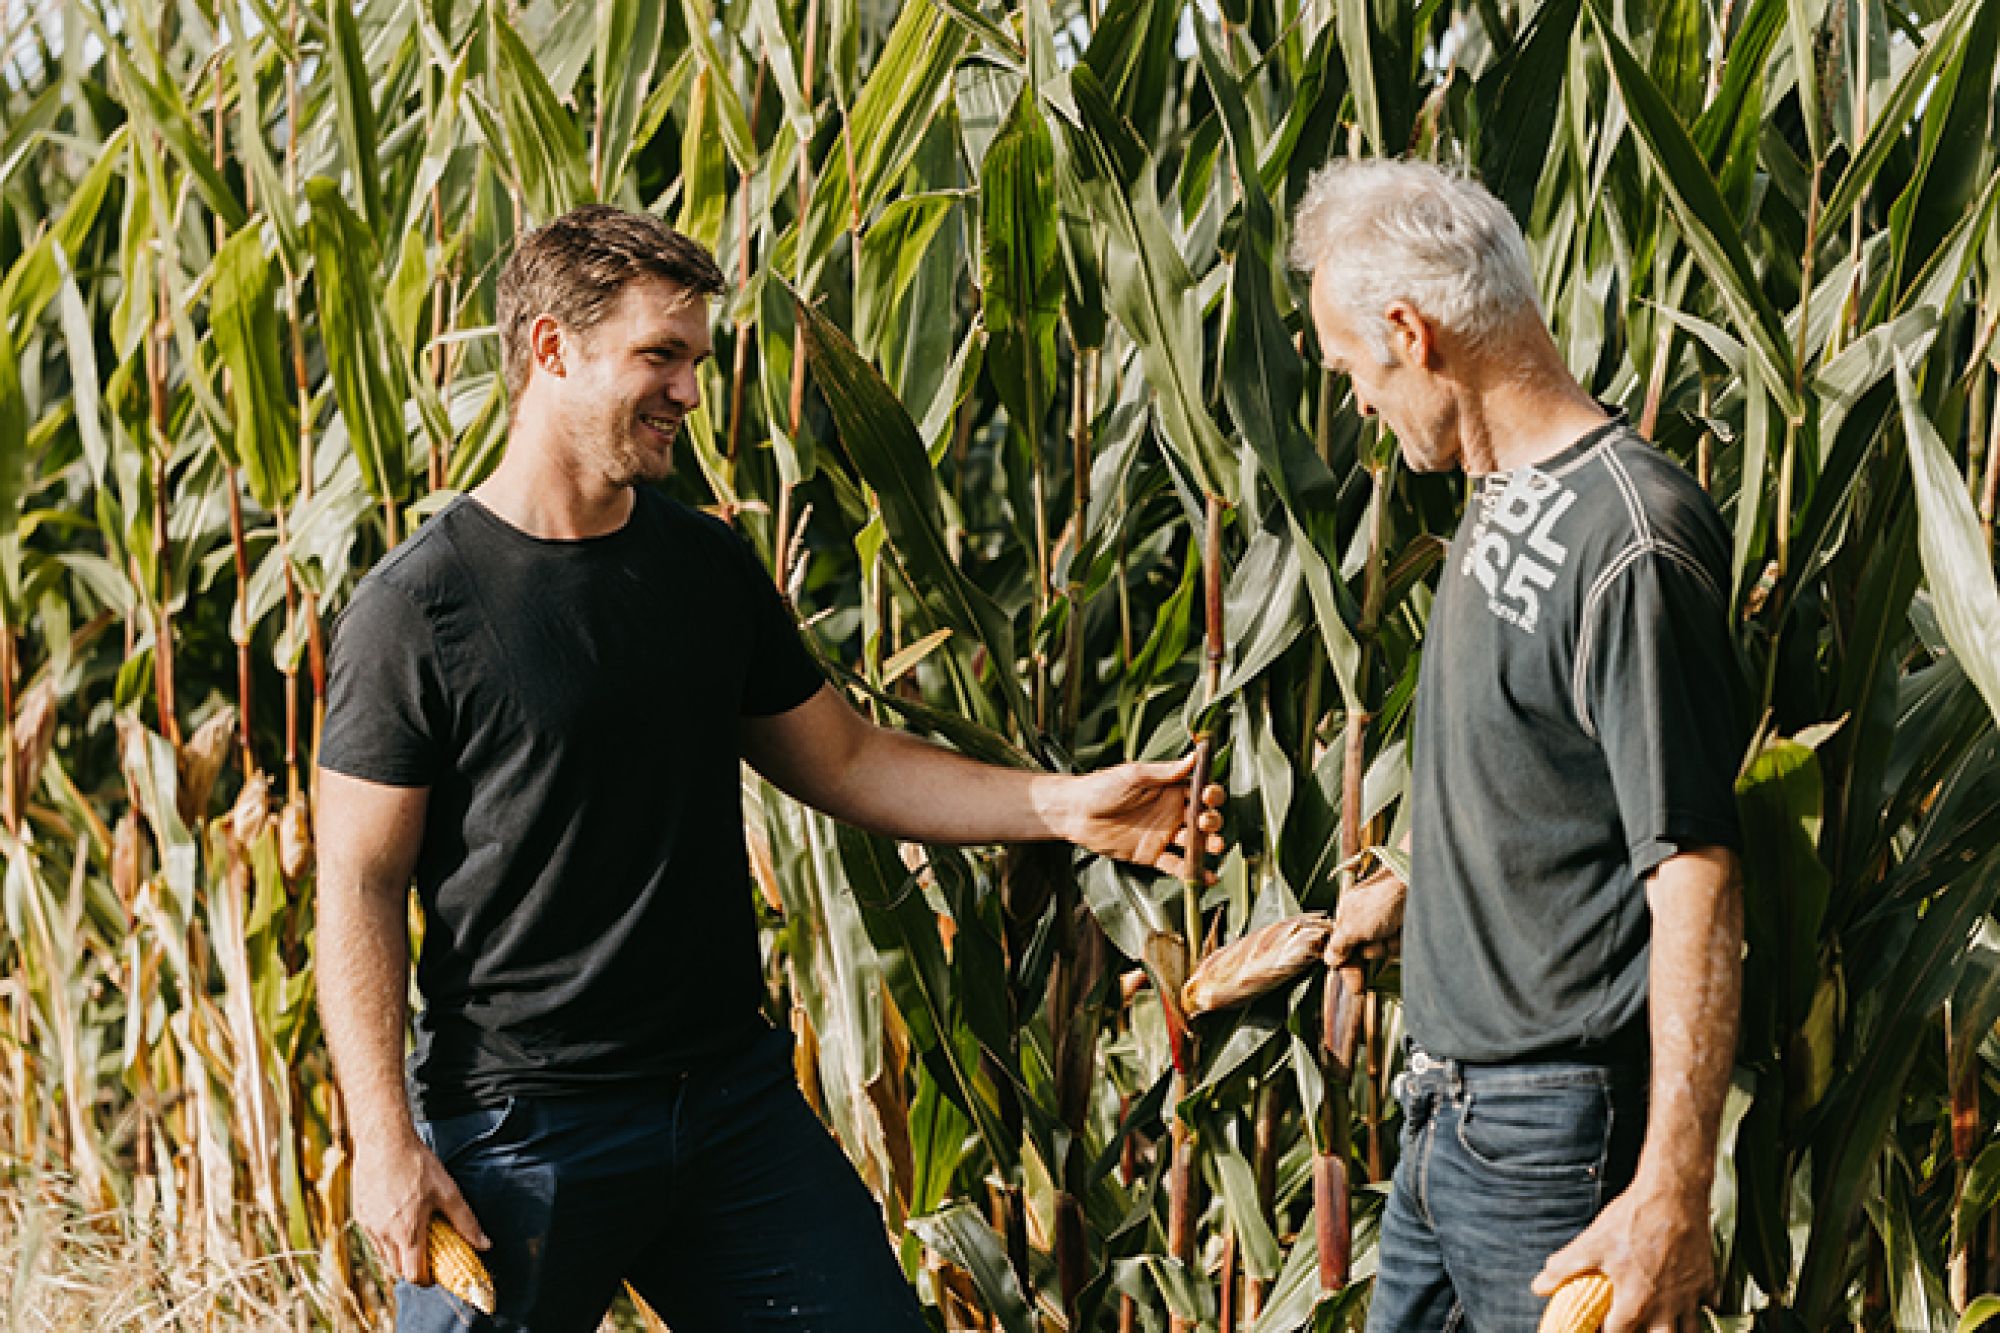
(539, 489)
(1517, 421)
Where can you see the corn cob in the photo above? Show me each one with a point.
(457, 1267)
(1579, 1305)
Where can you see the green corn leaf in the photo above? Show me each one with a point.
(1151, 290)
(704, 174)
(546, 146)
(1886, 134)
(1711, 232)
(629, 33)
(889, 454)
(1957, 565)
(1376, 37)
(960, 1234)
(732, 122)
(361, 358)
(13, 438)
(904, 933)
(355, 112)
(1021, 285)
(243, 314)
(33, 280)
(1518, 107)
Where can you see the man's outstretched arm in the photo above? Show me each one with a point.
(888, 781)
(1652, 1241)
(368, 840)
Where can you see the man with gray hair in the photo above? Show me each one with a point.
(1572, 928)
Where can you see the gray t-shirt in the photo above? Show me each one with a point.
(1576, 726)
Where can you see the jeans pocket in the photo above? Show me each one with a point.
(1550, 1133)
(457, 1138)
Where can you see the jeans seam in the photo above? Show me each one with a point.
(1455, 1317)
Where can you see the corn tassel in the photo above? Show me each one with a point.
(1579, 1305)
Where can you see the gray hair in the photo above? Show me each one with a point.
(1411, 231)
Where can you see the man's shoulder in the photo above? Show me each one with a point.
(1636, 500)
(428, 567)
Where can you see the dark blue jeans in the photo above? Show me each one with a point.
(1502, 1166)
(722, 1199)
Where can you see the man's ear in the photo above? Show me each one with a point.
(546, 343)
(1412, 337)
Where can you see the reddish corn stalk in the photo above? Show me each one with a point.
(1225, 1320)
(1330, 1220)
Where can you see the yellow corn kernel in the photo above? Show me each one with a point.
(1579, 1305)
(457, 1267)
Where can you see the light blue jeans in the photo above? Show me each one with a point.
(1502, 1165)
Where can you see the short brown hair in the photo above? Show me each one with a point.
(574, 267)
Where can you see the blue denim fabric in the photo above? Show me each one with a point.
(1502, 1165)
(721, 1198)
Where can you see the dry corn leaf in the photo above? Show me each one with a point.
(34, 733)
(294, 837)
(199, 760)
(1255, 964)
(252, 811)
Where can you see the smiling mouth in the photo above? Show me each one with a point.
(664, 425)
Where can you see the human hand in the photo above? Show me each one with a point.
(1654, 1246)
(1138, 812)
(1368, 919)
(396, 1189)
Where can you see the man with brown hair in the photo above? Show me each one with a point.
(538, 708)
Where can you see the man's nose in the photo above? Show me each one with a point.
(684, 387)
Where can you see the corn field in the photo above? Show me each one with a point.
(1016, 395)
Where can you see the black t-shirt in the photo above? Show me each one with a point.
(1576, 726)
(573, 707)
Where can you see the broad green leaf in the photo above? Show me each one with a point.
(1375, 43)
(542, 136)
(629, 33)
(960, 1234)
(1021, 285)
(33, 280)
(1151, 290)
(1704, 218)
(1891, 122)
(355, 112)
(1979, 1313)
(732, 122)
(904, 932)
(360, 355)
(1954, 149)
(704, 175)
(1256, 1244)
(889, 454)
(1957, 565)
(243, 314)
(1518, 106)
(13, 438)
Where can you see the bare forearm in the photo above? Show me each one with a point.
(1696, 981)
(904, 786)
(363, 963)
(369, 836)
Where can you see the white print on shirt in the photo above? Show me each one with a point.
(1514, 553)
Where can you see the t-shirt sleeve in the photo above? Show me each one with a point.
(782, 672)
(385, 700)
(1658, 685)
